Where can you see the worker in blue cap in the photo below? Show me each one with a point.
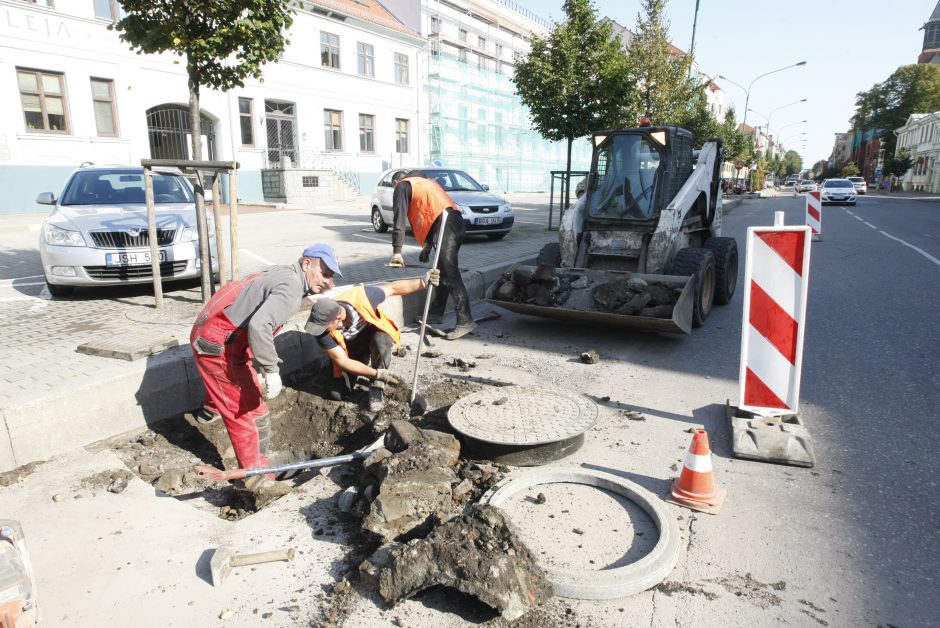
(237, 325)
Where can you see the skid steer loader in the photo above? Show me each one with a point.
(642, 247)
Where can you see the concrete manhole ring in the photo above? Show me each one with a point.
(605, 584)
(522, 415)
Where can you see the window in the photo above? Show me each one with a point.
(366, 55)
(462, 55)
(310, 181)
(481, 43)
(42, 3)
(482, 62)
(435, 47)
(329, 50)
(333, 129)
(462, 35)
(107, 10)
(42, 96)
(435, 24)
(366, 133)
(499, 50)
(245, 117)
(102, 97)
(401, 135)
(401, 68)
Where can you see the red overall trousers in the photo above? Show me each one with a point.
(223, 358)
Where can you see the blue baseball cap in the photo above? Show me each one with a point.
(326, 253)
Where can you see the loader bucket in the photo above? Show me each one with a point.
(581, 307)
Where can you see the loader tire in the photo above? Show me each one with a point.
(725, 251)
(550, 255)
(700, 263)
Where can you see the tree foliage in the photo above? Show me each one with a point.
(665, 89)
(887, 106)
(850, 170)
(898, 164)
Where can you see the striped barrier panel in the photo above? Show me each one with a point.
(775, 289)
(814, 214)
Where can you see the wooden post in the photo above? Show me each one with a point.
(219, 233)
(205, 275)
(152, 236)
(233, 219)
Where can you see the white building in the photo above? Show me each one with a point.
(920, 136)
(343, 103)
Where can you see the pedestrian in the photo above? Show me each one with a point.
(358, 336)
(237, 325)
(423, 202)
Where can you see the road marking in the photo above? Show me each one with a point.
(386, 241)
(888, 235)
(9, 283)
(257, 257)
(529, 222)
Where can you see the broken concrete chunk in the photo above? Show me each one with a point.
(400, 435)
(479, 553)
(347, 498)
(590, 357)
(635, 304)
(636, 284)
(544, 274)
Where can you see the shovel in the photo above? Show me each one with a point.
(216, 475)
(427, 305)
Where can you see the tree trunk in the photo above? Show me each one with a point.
(568, 176)
(196, 130)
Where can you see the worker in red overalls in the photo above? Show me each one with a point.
(238, 325)
(423, 202)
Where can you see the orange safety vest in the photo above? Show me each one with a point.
(428, 201)
(356, 297)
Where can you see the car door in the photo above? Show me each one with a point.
(384, 193)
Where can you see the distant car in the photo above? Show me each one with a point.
(837, 191)
(97, 233)
(484, 213)
(807, 185)
(860, 186)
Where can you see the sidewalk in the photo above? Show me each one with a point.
(54, 399)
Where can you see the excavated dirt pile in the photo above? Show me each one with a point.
(478, 553)
(546, 287)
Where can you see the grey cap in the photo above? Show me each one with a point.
(322, 315)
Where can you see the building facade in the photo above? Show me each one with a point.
(343, 103)
(930, 50)
(920, 136)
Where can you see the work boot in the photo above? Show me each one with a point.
(376, 399)
(265, 490)
(460, 331)
(205, 416)
(434, 319)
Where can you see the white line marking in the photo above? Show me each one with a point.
(257, 257)
(8, 283)
(922, 252)
(870, 225)
(387, 241)
(530, 222)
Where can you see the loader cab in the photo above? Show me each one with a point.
(636, 172)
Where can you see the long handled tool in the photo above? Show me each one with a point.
(216, 475)
(427, 304)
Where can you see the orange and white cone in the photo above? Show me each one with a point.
(695, 487)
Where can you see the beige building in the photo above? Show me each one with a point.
(921, 137)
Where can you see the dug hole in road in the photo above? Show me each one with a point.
(149, 553)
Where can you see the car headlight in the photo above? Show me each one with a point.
(464, 209)
(62, 237)
(191, 234)
(505, 208)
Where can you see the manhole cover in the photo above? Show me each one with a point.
(522, 415)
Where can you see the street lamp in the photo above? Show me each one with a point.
(748, 97)
(782, 142)
(796, 102)
(791, 124)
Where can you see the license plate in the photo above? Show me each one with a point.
(495, 220)
(131, 259)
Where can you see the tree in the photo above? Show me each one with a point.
(897, 165)
(573, 81)
(224, 42)
(850, 170)
(665, 90)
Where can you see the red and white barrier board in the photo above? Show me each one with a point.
(775, 289)
(814, 213)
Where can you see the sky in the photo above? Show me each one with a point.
(848, 46)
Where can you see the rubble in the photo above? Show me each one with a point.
(479, 553)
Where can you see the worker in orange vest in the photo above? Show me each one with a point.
(358, 337)
(423, 202)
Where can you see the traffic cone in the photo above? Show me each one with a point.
(695, 487)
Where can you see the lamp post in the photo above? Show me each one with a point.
(748, 97)
(782, 142)
(796, 102)
(792, 124)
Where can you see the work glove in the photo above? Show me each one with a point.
(384, 375)
(397, 261)
(273, 385)
(425, 253)
(432, 277)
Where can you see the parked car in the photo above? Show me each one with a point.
(837, 191)
(807, 185)
(484, 213)
(860, 186)
(97, 232)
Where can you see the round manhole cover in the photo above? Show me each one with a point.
(522, 415)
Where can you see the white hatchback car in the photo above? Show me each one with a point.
(860, 186)
(484, 213)
(97, 232)
(837, 191)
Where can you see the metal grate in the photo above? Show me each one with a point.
(169, 131)
(484, 209)
(167, 269)
(130, 239)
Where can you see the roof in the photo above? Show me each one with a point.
(366, 10)
(935, 16)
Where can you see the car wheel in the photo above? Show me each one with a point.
(725, 251)
(700, 263)
(378, 223)
(59, 291)
(497, 236)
